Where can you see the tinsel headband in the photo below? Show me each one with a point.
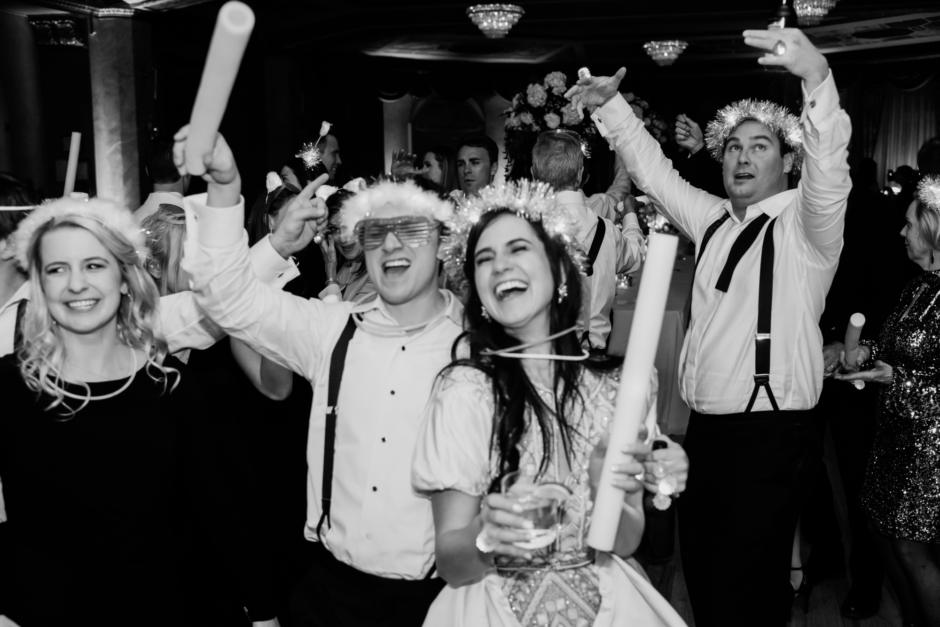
(778, 119)
(116, 219)
(388, 199)
(531, 201)
(928, 191)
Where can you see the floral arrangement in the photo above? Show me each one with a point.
(543, 107)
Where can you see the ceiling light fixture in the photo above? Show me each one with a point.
(495, 20)
(811, 12)
(665, 52)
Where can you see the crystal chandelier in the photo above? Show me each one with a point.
(811, 12)
(665, 52)
(495, 20)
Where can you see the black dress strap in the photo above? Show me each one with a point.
(337, 364)
(595, 246)
(741, 245)
(765, 298)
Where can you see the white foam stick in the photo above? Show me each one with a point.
(852, 333)
(232, 29)
(72, 168)
(632, 407)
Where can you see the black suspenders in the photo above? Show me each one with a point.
(765, 292)
(337, 365)
(599, 234)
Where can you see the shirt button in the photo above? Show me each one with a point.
(402, 348)
(812, 103)
(375, 489)
(393, 392)
(383, 439)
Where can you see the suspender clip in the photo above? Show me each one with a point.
(761, 379)
(762, 336)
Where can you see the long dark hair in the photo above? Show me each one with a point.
(513, 391)
(446, 158)
(267, 205)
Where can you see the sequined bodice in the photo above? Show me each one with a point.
(910, 344)
(560, 580)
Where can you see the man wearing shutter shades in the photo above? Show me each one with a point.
(751, 367)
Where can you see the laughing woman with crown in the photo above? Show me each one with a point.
(524, 417)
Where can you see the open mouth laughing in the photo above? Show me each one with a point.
(509, 289)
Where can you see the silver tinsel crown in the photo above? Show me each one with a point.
(928, 191)
(778, 119)
(531, 201)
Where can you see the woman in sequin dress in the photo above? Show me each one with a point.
(902, 485)
(492, 414)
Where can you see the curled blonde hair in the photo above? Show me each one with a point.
(43, 354)
(166, 232)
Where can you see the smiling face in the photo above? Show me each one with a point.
(345, 241)
(753, 167)
(474, 169)
(401, 273)
(513, 276)
(435, 173)
(329, 155)
(81, 280)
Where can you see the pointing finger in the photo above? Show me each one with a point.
(307, 192)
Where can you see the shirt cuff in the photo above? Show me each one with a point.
(270, 267)
(213, 227)
(823, 101)
(614, 112)
(630, 220)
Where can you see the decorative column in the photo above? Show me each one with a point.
(19, 73)
(119, 52)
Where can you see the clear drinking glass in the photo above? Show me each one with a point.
(541, 503)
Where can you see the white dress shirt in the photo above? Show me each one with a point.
(621, 251)
(379, 525)
(604, 204)
(153, 202)
(716, 374)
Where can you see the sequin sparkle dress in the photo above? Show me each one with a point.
(902, 485)
(568, 585)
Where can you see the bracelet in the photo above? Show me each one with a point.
(331, 281)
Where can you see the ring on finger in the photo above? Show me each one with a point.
(780, 48)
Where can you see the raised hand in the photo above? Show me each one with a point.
(689, 135)
(594, 91)
(225, 185)
(305, 216)
(799, 56)
(403, 164)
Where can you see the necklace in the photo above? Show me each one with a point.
(514, 351)
(130, 380)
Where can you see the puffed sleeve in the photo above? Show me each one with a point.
(453, 448)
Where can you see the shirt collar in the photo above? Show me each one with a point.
(772, 206)
(586, 218)
(22, 293)
(377, 311)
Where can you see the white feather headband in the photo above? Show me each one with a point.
(534, 202)
(388, 199)
(116, 219)
(928, 191)
(778, 119)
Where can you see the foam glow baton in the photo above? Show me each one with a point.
(632, 407)
(232, 30)
(852, 333)
(72, 168)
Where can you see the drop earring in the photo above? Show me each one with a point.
(485, 313)
(562, 292)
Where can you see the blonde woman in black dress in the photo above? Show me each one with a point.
(902, 485)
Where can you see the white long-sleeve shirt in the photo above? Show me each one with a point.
(621, 251)
(716, 374)
(379, 525)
